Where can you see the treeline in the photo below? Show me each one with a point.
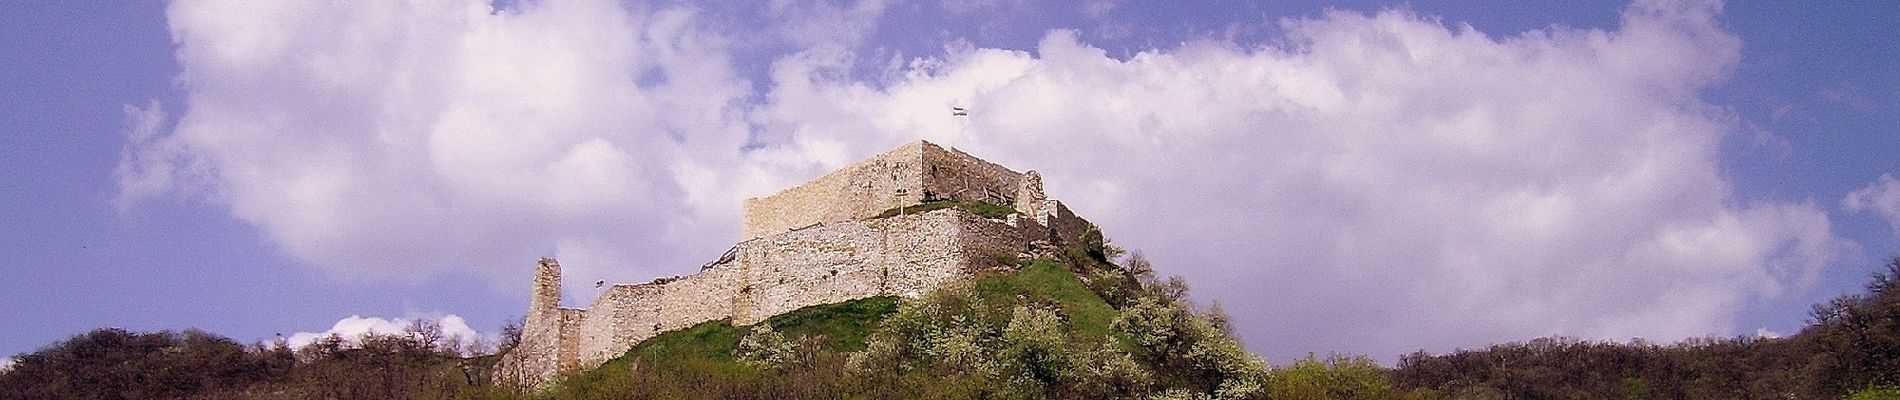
(1851, 348)
(112, 363)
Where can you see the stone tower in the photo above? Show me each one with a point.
(548, 342)
(545, 303)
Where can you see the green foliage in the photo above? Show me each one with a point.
(114, 363)
(709, 358)
(1190, 352)
(1336, 377)
(1045, 281)
(1008, 336)
(1739, 368)
(1860, 334)
(978, 207)
(1876, 393)
(764, 348)
(842, 325)
(709, 342)
(1094, 246)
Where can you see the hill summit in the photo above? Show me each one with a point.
(901, 223)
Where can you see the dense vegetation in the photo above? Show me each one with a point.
(1851, 348)
(1075, 325)
(113, 363)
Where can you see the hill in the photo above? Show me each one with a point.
(1073, 326)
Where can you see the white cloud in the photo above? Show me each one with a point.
(354, 328)
(400, 140)
(1882, 197)
(1374, 184)
(1767, 334)
(1382, 183)
(145, 168)
(6, 364)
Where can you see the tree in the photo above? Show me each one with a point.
(764, 348)
(1859, 336)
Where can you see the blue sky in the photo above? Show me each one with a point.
(1365, 177)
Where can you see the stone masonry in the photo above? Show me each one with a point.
(809, 245)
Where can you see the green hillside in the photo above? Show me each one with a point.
(1074, 326)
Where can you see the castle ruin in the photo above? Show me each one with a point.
(826, 241)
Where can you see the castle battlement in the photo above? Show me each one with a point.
(818, 243)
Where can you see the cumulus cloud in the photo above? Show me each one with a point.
(1380, 183)
(1882, 197)
(1371, 183)
(1768, 334)
(354, 328)
(404, 139)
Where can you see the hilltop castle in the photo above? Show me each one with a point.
(830, 240)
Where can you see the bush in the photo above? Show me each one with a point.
(115, 363)
(1336, 377)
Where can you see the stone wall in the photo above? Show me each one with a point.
(911, 174)
(905, 255)
(548, 334)
(829, 263)
(856, 191)
(953, 174)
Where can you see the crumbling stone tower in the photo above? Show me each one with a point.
(829, 240)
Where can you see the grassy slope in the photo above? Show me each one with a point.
(707, 348)
(1045, 281)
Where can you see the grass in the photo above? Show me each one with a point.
(704, 351)
(711, 341)
(978, 207)
(707, 347)
(1051, 282)
(844, 325)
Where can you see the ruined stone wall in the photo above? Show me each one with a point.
(856, 191)
(699, 297)
(627, 314)
(534, 360)
(911, 174)
(548, 345)
(613, 318)
(829, 263)
(548, 332)
(1066, 225)
(1000, 244)
(901, 255)
(953, 174)
(567, 351)
(922, 253)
